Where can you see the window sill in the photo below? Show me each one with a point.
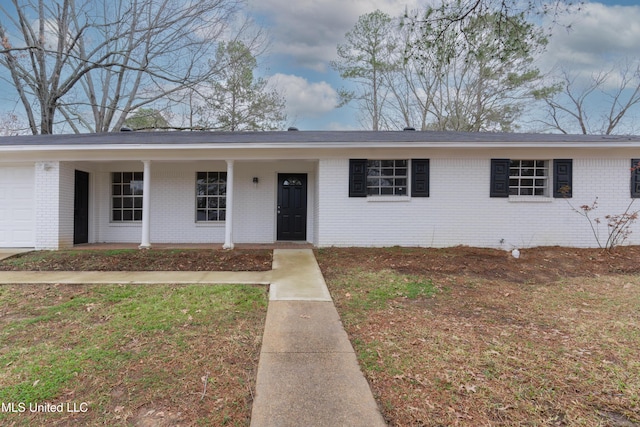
(388, 198)
(530, 199)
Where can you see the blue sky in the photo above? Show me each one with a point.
(304, 35)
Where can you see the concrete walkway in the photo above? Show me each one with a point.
(308, 374)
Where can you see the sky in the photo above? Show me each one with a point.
(304, 35)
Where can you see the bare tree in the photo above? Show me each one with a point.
(460, 14)
(600, 105)
(479, 80)
(95, 61)
(10, 125)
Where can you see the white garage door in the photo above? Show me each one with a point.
(17, 207)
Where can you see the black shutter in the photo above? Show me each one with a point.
(357, 177)
(499, 178)
(562, 178)
(420, 178)
(635, 178)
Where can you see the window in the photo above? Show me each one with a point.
(531, 178)
(388, 177)
(528, 178)
(126, 196)
(211, 196)
(635, 178)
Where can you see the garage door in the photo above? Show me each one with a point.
(17, 207)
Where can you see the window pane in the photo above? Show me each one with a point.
(201, 215)
(127, 202)
(213, 202)
(136, 187)
(201, 202)
(127, 215)
(137, 176)
(117, 202)
(137, 215)
(212, 216)
(222, 215)
(117, 215)
(137, 202)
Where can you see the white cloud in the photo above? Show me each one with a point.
(597, 36)
(309, 30)
(304, 98)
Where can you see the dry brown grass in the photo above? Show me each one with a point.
(481, 350)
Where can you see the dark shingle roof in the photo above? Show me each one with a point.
(357, 138)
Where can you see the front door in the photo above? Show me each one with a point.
(81, 208)
(292, 206)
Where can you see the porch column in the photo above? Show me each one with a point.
(228, 223)
(146, 206)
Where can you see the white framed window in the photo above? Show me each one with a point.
(126, 196)
(529, 178)
(211, 196)
(387, 177)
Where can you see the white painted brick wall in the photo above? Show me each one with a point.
(460, 211)
(47, 179)
(173, 205)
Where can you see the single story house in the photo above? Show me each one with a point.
(406, 188)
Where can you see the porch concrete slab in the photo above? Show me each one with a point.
(313, 389)
(297, 277)
(301, 326)
(136, 277)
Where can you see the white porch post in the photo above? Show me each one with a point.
(146, 206)
(228, 223)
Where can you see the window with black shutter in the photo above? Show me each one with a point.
(388, 177)
(635, 178)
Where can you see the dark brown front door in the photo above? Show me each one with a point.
(292, 207)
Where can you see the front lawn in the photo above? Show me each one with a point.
(474, 337)
(160, 355)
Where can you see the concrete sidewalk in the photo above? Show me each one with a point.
(308, 374)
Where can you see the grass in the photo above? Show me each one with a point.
(459, 350)
(132, 354)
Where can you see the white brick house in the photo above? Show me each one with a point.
(326, 188)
